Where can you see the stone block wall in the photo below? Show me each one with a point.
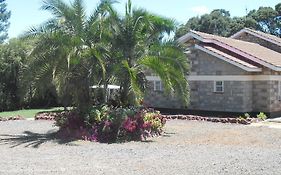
(159, 99)
(205, 64)
(261, 96)
(237, 96)
(274, 101)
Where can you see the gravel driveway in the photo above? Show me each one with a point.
(187, 147)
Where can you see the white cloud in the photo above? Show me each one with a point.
(200, 10)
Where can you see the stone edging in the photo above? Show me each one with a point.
(51, 116)
(45, 116)
(18, 117)
(212, 119)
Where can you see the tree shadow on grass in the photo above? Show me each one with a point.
(31, 139)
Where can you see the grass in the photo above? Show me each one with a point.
(28, 113)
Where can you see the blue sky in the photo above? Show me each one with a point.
(26, 13)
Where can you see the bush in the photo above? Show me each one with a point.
(262, 116)
(245, 116)
(108, 125)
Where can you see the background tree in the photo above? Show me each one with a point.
(13, 57)
(4, 21)
(219, 22)
(267, 19)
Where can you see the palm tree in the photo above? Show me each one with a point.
(69, 50)
(138, 47)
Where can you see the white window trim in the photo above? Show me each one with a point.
(161, 87)
(215, 87)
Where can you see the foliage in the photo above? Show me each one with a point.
(219, 22)
(74, 51)
(15, 92)
(68, 52)
(262, 116)
(245, 116)
(13, 57)
(4, 21)
(110, 125)
(138, 47)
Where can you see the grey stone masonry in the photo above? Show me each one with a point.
(236, 96)
(159, 99)
(204, 64)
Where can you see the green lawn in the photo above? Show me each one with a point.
(27, 113)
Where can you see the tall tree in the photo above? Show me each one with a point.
(12, 60)
(69, 50)
(4, 20)
(138, 46)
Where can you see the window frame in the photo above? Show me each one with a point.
(218, 86)
(155, 86)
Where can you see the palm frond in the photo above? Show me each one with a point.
(56, 7)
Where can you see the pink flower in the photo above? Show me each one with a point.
(107, 123)
(146, 125)
(129, 125)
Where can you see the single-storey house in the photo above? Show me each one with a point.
(241, 73)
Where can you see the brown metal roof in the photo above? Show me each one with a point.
(230, 57)
(266, 36)
(252, 51)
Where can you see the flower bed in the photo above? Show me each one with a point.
(213, 119)
(108, 125)
(18, 117)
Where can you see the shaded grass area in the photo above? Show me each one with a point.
(28, 113)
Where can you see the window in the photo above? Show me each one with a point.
(157, 86)
(218, 86)
(279, 90)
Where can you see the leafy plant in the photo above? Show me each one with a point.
(245, 116)
(262, 116)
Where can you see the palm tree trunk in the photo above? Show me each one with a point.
(83, 96)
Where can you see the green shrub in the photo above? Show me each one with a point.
(245, 116)
(261, 116)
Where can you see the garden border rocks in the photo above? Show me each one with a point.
(18, 117)
(45, 116)
(247, 121)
